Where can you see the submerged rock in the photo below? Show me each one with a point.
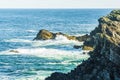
(46, 35)
(14, 51)
(104, 61)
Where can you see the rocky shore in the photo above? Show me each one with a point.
(104, 61)
(46, 35)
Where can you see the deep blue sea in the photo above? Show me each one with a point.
(35, 60)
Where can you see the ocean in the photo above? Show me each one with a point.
(35, 60)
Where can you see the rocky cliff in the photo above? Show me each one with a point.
(104, 61)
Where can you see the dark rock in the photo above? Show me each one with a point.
(89, 44)
(104, 61)
(59, 76)
(83, 38)
(77, 46)
(84, 52)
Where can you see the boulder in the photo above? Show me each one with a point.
(104, 61)
(44, 35)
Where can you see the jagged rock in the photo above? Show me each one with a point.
(108, 25)
(46, 35)
(104, 61)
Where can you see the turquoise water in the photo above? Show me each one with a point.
(36, 60)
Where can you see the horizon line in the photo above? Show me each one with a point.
(60, 8)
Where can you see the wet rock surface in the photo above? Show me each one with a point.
(104, 61)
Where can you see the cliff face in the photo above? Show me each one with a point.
(104, 61)
(106, 37)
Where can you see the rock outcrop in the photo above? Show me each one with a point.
(104, 61)
(46, 35)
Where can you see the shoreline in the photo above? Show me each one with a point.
(104, 61)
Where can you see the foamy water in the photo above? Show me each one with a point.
(49, 53)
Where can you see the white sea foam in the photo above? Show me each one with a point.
(49, 53)
(32, 31)
(79, 34)
(60, 37)
(29, 36)
(59, 40)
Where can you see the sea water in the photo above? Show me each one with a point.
(35, 60)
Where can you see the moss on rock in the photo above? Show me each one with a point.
(88, 48)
